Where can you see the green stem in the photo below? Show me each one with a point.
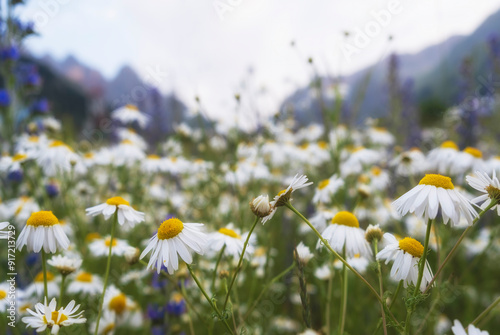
(239, 263)
(265, 289)
(486, 311)
(381, 285)
(393, 299)
(108, 266)
(216, 310)
(44, 269)
(61, 292)
(328, 302)
(452, 252)
(343, 298)
(216, 267)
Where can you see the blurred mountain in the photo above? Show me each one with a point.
(434, 74)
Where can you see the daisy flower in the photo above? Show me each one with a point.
(232, 241)
(261, 207)
(36, 288)
(359, 263)
(127, 153)
(117, 302)
(127, 216)
(55, 158)
(380, 136)
(4, 297)
(409, 163)
(100, 246)
(85, 282)
(406, 255)
(46, 316)
(440, 159)
(303, 253)
(65, 265)
(107, 324)
(129, 114)
(489, 186)
(344, 232)
(326, 188)
(283, 196)
(153, 164)
(43, 230)
(9, 164)
(468, 159)
(432, 193)
(458, 329)
(4, 234)
(174, 238)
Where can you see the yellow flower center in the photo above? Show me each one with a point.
(449, 145)
(84, 277)
(108, 329)
(56, 317)
(229, 232)
(127, 142)
(304, 146)
(92, 236)
(474, 152)
(19, 157)
(118, 303)
(89, 155)
(493, 193)
(3, 294)
(130, 106)
(376, 171)
(324, 183)
(358, 149)
(411, 246)
(153, 157)
(58, 143)
(381, 129)
(39, 277)
(438, 181)
(281, 192)
(33, 139)
(42, 218)
(177, 297)
(107, 241)
(322, 144)
(346, 218)
(116, 201)
(170, 228)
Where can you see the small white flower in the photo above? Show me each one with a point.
(56, 158)
(303, 253)
(127, 216)
(85, 282)
(100, 247)
(326, 188)
(129, 114)
(174, 238)
(64, 264)
(283, 196)
(4, 234)
(232, 241)
(489, 186)
(43, 230)
(458, 329)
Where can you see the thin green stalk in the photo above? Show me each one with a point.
(190, 321)
(216, 267)
(215, 309)
(486, 311)
(239, 263)
(108, 266)
(264, 290)
(393, 299)
(452, 252)
(61, 292)
(44, 269)
(421, 269)
(343, 298)
(328, 302)
(381, 285)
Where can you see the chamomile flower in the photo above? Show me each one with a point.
(174, 238)
(406, 255)
(43, 230)
(4, 297)
(344, 232)
(117, 302)
(129, 114)
(489, 186)
(380, 136)
(65, 265)
(85, 282)
(410, 163)
(126, 153)
(127, 216)
(470, 159)
(440, 159)
(283, 196)
(153, 164)
(303, 253)
(458, 329)
(432, 193)
(232, 241)
(36, 288)
(326, 188)
(4, 234)
(56, 157)
(100, 247)
(19, 208)
(9, 164)
(47, 316)
(261, 207)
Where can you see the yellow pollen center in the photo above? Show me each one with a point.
(358, 149)
(153, 157)
(118, 303)
(346, 219)
(449, 145)
(281, 192)
(89, 155)
(108, 329)
(3, 294)
(376, 171)
(474, 152)
(84, 277)
(107, 241)
(493, 192)
(19, 157)
(56, 318)
(39, 277)
(411, 246)
(229, 232)
(33, 139)
(438, 181)
(42, 218)
(116, 201)
(170, 228)
(324, 183)
(92, 236)
(177, 297)
(127, 142)
(130, 106)
(322, 144)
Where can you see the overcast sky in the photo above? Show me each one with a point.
(214, 49)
